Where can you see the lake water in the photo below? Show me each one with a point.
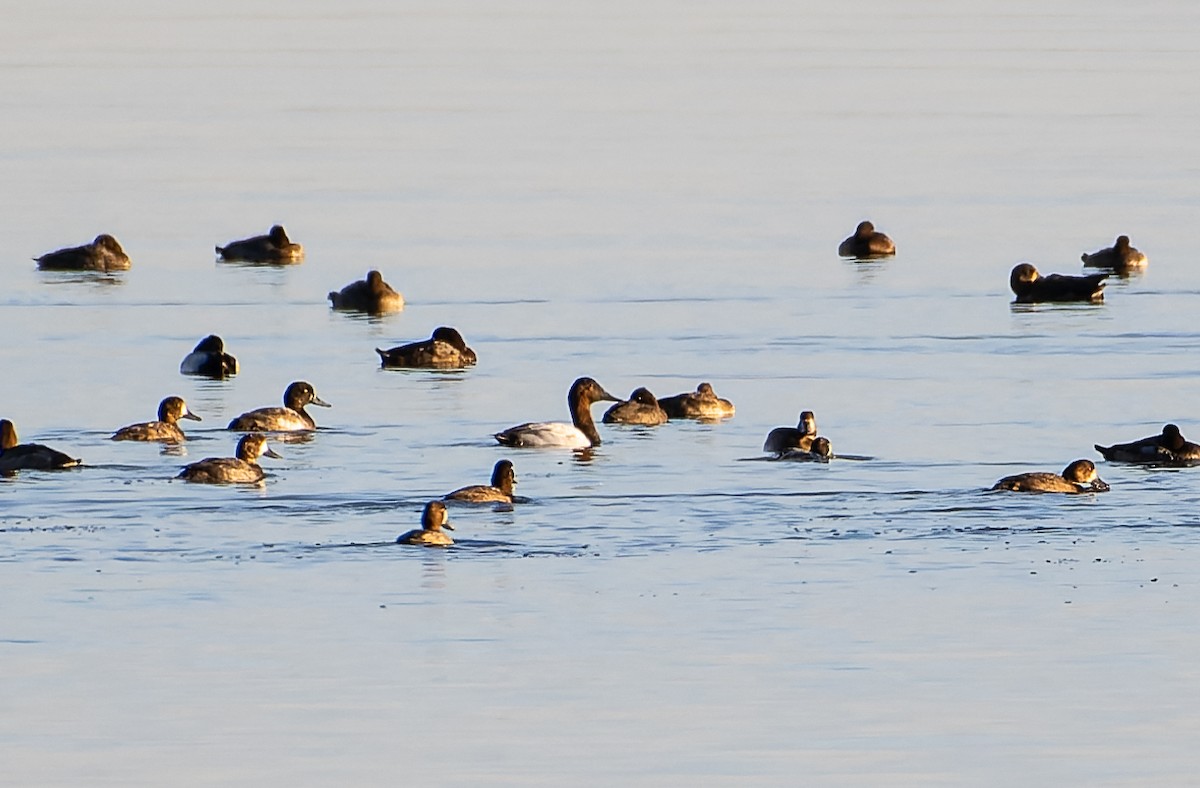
(649, 194)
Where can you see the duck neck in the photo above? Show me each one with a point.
(581, 415)
(302, 413)
(8, 435)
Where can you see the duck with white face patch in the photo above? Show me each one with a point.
(165, 429)
(241, 469)
(292, 417)
(433, 519)
(1078, 477)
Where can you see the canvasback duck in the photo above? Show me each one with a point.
(800, 437)
(819, 450)
(1167, 448)
(209, 360)
(1120, 257)
(703, 403)
(504, 479)
(16, 456)
(866, 243)
(242, 469)
(372, 295)
(580, 434)
(446, 349)
(165, 430)
(433, 519)
(274, 247)
(1031, 287)
(640, 408)
(102, 254)
(292, 417)
(1078, 477)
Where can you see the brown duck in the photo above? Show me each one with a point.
(1031, 287)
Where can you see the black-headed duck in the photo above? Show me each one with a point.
(433, 519)
(166, 429)
(819, 450)
(446, 349)
(1031, 287)
(1078, 477)
(209, 360)
(372, 295)
(102, 254)
(274, 247)
(242, 469)
(292, 417)
(800, 437)
(1165, 449)
(641, 408)
(1120, 257)
(16, 456)
(867, 243)
(703, 403)
(580, 434)
(504, 479)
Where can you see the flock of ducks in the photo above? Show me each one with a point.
(446, 349)
(1029, 286)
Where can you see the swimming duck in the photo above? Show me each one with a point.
(504, 478)
(1169, 447)
(102, 254)
(581, 434)
(703, 403)
(232, 470)
(819, 450)
(640, 408)
(371, 295)
(1031, 287)
(866, 243)
(800, 437)
(16, 456)
(1120, 257)
(433, 520)
(1078, 477)
(166, 429)
(446, 349)
(209, 360)
(291, 417)
(274, 247)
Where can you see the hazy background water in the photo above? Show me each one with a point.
(650, 194)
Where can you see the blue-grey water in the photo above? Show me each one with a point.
(650, 194)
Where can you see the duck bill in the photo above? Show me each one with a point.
(448, 526)
(318, 401)
(273, 454)
(1099, 485)
(192, 416)
(604, 396)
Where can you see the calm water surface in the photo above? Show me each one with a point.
(649, 194)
